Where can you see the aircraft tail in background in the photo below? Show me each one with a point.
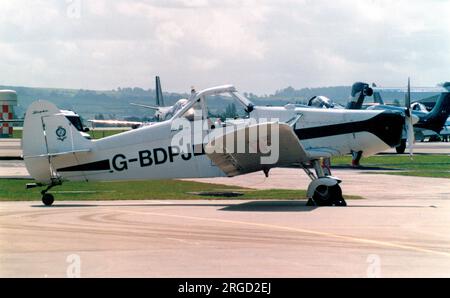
(377, 96)
(159, 95)
(359, 93)
(436, 118)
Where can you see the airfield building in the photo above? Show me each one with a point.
(8, 100)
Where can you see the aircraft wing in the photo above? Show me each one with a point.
(413, 89)
(145, 106)
(11, 121)
(115, 122)
(290, 149)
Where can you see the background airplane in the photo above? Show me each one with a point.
(428, 121)
(162, 112)
(433, 120)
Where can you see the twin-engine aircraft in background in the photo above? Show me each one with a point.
(162, 112)
(190, 145)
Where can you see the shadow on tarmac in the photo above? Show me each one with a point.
(253, 206)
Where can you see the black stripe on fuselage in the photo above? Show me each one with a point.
(387, 126)
(102, 165)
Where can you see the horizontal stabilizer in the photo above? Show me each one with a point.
(145, 106)
(58, 153)
(11, 121)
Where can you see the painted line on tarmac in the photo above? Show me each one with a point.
(300, 230)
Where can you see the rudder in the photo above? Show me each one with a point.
(435, 120)
(48, 133)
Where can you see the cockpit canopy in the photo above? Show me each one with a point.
(321, 102)
(196, 106)
(74, 118)
(419, 107)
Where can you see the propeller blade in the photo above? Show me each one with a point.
(409, 121)
(408, 95)
(411, 138)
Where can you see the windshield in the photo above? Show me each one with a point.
(194, 113)
(76, 121)
(216, 104)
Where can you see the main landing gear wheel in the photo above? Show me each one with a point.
(323, 190)
(327, 196)
(48, 199)
(401, 148)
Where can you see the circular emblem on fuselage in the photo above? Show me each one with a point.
(61, 133)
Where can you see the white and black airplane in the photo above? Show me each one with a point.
(55, 151)
(428, 121)
(433, 120)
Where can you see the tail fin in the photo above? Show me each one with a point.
(159, 95)
(359, 93)
(47, 134)
(435, 120)
(377, 96)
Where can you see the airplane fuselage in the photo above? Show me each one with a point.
(148, 153)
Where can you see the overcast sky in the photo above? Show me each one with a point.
(258, 45)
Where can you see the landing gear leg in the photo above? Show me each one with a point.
(356, 158)
(323, 190)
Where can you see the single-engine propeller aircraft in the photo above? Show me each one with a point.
(434, 120)
(268, 137)
(428, 122)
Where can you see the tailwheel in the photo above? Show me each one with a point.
(47, 199)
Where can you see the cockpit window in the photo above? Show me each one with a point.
(76, 121)
(194, 113)
(321, 102)
(419, 107)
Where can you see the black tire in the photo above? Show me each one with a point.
(322, 196)
(401, 149)
(310, 203)
(336, 195)
(329, 196)
(48, 199)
